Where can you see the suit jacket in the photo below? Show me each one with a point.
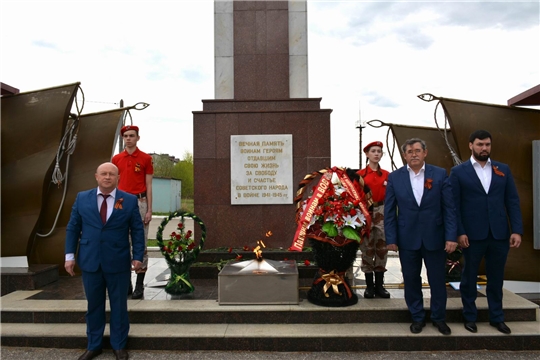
(409, 225)
(478, 212)
(106, 245)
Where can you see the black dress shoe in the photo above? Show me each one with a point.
(501, 327)
(138, 292)
(471, 326)
(121, 354)
(130, 290)
(442, 327)
(416, 327)
(90, 354)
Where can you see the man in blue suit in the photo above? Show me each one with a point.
(486, 201)
(420, 222)
(101, 220)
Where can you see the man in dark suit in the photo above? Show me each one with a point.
(486, 201)
(420, 221)
(101, 220)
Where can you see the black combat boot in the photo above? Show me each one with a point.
(380, 291)
(139, 287)
(370, 287)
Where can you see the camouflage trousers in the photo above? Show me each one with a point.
(143, 208)
(374, 251)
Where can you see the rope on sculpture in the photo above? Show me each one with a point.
(444, 131)
(67, 146)
(391, 147)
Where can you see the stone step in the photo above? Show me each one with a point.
(370, 325)
(282, 337)
(17, 308)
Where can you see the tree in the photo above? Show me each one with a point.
(183, 170)
(163, 166)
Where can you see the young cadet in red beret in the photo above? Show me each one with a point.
(136, 172)
(374, 251)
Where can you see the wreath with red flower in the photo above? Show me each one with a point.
(180, 251)
(335, 211)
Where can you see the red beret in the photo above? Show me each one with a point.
(129, 127)
(375, 143)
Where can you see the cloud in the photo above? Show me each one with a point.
(409, 21)
(379, 100)
(195, 75)
(45, 44)
(485, 15)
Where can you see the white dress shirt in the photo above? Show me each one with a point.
(417, 182)
(484, 173)
(110, 206)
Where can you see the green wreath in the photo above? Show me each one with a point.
(180, 262)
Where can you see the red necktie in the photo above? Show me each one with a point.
(103, 209)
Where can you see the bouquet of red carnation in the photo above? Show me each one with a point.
(180, 243)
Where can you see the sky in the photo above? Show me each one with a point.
(366, 59)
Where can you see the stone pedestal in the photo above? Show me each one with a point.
(258, 282)
(28, 278)
(261, 88)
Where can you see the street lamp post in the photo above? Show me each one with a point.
(359, 126)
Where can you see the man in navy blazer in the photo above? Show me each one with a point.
(420, 222)
(102, 246)
(486, 201)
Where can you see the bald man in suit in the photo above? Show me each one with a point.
(101, 220)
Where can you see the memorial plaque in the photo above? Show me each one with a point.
(261, 169)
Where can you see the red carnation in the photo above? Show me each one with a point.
(230, 250)
(245, 248)
(239, 257)
(180, 225)
(306, 262)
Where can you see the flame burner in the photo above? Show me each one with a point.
(258, 266)
(258, 282)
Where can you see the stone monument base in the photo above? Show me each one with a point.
(256, 282)
(28, 278)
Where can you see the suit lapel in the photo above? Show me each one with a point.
(428, 174)
(406, 180)
(494, 177)
(117, 204)
(93, 203)
(469, 169)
